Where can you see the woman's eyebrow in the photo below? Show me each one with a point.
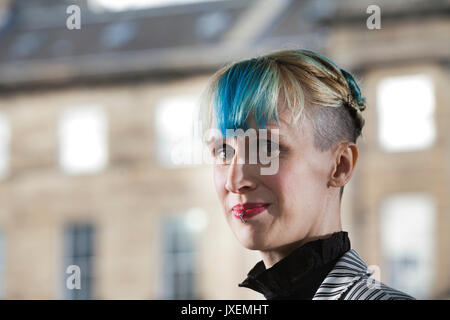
(280, 136)
(214, 141)
(271, 133)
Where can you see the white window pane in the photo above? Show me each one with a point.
(407, 242)
(5, 135)
(196, 220)
(178, 145)
(83, 140)
(405, 108)
(120, 5)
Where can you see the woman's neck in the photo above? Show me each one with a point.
(271, 257)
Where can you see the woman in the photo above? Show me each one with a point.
(310, 110)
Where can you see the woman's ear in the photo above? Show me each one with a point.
(345, 159)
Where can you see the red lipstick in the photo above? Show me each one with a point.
(248, 209)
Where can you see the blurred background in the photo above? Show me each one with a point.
(90, 119)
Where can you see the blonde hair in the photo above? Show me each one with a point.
(307, 83)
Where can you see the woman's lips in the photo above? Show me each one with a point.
(249, 209)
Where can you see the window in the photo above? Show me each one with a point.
(178, 260)
(79, 251)
(5, 135)
(405, 108)
(121, 5)
(82, 140)
(407, 242)
(5, 15)
(177, 132)
(118, 34)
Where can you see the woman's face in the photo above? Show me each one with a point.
(296, 193)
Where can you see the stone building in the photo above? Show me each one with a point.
(89, 120)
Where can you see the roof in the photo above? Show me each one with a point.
(38, 47)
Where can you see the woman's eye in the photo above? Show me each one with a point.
(268, 148)
(224, 152)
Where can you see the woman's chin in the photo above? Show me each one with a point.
(250, 239)
(252, 246)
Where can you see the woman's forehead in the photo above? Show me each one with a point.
(286, 128)
(284, 131)
(285, 125)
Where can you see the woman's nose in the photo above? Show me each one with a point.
(239, 177)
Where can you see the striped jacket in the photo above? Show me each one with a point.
(350, 280)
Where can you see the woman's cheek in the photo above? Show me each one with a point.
(283, 176)
(277, 185)
(219, 183)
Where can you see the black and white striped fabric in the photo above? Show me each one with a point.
(350, 280)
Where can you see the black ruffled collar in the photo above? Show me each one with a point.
(298, 275)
